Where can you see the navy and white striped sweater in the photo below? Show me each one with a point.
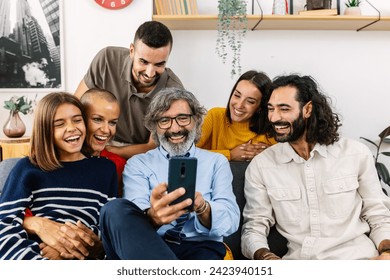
(75, 192)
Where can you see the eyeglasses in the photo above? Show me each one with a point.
(181, 120)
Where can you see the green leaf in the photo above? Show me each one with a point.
(21, 101)
(10, 105)
(25, 108)
(385, 153)
(383, 172)
(385, 133)
(353, 3)
(368, 140)
(19, 104)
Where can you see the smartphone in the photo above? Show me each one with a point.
(182, 173)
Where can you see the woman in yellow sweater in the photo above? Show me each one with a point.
(238, 131)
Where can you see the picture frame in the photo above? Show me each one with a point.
(301, 4)
(31, 46)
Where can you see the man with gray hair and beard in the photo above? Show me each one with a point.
(139, 226)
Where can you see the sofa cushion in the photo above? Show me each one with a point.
(5, 168)
(276, 241)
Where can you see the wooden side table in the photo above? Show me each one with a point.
(14, 147)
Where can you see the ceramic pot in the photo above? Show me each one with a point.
(14, 126)
(352, 11)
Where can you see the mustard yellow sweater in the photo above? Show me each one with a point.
(218, 135)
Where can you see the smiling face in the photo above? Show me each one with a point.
(244, 101)
(148, 64)
(102, 118)
(69, 132)
(177, 140)
(286, 115)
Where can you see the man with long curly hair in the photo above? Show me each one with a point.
(320, 190)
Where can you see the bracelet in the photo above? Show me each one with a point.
(203, 208)
(267, 255)
(264, 254)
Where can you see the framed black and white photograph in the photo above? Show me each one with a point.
(31, 55)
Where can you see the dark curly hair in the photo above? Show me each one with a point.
(323, 124)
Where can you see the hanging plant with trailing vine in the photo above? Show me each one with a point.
(232, 27)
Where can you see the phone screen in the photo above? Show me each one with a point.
(182, 173)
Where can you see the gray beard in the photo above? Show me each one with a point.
(177, 149)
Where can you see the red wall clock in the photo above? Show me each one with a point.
(113, 4)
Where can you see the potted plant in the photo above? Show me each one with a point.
(353, 8)
(14, 126)
(383, 172)
(232, 27)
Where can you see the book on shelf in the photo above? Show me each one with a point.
(170, 8)
(187, 7)
(157, 7)
(183, 9)
(320, 12)
(174, 10)
(176, 7)
(162, 7)
(194, 7)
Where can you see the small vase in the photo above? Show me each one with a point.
(353, 11)
(14, 127)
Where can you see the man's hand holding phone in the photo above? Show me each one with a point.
(162, 211)
(169, 202)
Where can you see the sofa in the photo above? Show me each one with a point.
(5, 167)
(277, 243)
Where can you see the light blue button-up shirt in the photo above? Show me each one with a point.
(143, 172)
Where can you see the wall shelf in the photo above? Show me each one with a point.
(277, 22)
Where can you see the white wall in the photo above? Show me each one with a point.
(352, 67)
